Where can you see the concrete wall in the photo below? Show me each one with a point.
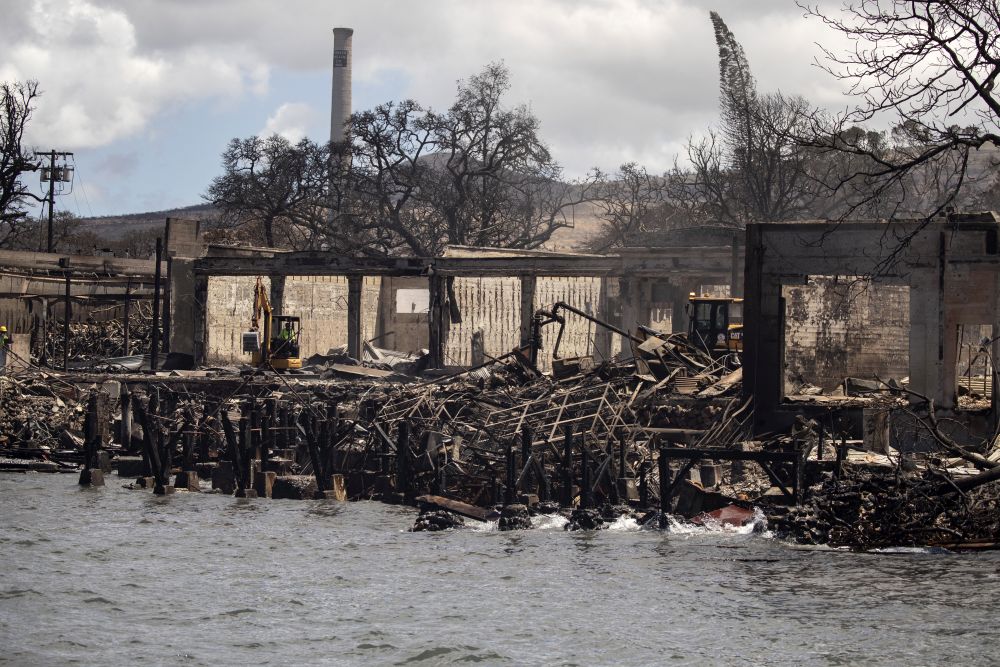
(838, 328)
(320, 301)
(404, 331)
(15, 316)
(493, 306)
(489, 304)
(578, 336)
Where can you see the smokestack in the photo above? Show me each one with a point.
(340, 110)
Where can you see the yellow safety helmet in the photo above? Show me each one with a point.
(3, 329)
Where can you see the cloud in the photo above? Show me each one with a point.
(610, 80)
(620, 76)
(291, 121)
(98, 85)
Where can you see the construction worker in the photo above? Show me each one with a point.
(4, 346)
(287, 334)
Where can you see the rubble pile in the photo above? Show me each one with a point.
(94, 340)
(506, 442)
(38, 415)
(868, 508)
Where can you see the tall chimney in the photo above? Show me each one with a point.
(340, 110)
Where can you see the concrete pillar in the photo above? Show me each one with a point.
(637, 299)
(738, 267)
(602, 336)
(528, 284)
(928, 337)
(354, 331)
(183, 245)
(183, 306)
(678, 313)
(340, 109)
(438, 317)
(386, 309)
(763, 317)
(200, 317)
(277, 294)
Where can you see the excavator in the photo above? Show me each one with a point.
(273, 340)
(716, 323)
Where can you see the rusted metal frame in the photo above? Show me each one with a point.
(555, 425)
(552, 408)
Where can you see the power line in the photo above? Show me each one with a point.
(83, 189)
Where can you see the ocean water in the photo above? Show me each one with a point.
(112, 576)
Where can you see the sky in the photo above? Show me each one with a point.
(147, 93)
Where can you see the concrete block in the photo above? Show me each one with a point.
(263, 483)
(246, 493)
(104, 459)
(145, 482)
(294, 487)
(710, 475)
(166, 490)
(131, 466)
(91, 477)
(188, 480)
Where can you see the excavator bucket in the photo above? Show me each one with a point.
(251, 342)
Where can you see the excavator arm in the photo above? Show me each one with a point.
(260, 320)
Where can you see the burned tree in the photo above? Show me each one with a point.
(930, 66)
(750, 168)
(628, 202)
(16, 106)
(270, 183)
(477, 174)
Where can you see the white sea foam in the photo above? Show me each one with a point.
(483, 526)
(549, 521)
(624, 523)
(757, 525)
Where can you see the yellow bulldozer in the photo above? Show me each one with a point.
(716, 323)
(273, 340)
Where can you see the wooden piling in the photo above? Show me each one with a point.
(403, 458)
(567, 472)
(664, 469)
(510, 491)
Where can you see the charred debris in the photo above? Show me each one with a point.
(661, 433)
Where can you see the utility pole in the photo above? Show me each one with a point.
(61, 175)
